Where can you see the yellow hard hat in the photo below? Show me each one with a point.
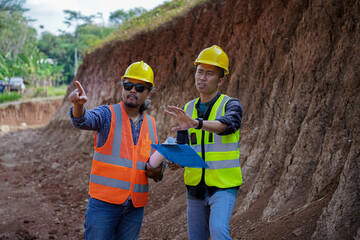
(140, 71)
(214, 55)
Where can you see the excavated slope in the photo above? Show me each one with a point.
(295, 67)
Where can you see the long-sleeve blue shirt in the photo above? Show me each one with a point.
(99, 120)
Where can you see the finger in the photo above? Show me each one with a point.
(82, 102)
(178, 111)
(175, 128)
(83, 98)
(170, 113)
(175, 113)
(175, 108)
(74, 95)
(148, 166)
(176, 166)
(79, 87)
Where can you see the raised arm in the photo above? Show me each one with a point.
(78, 98)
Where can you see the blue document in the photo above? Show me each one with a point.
(183, 155)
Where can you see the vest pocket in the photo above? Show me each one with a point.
(193, 139)
(145, 148)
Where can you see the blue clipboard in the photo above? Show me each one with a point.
(183, 155)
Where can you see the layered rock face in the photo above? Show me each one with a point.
(295, 66)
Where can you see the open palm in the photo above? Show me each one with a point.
(184, 120)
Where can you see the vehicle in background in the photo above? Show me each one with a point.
(17, 84)
(3, 85)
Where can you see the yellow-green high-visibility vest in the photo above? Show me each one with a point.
(221, 152)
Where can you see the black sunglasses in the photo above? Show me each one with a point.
(138, 87)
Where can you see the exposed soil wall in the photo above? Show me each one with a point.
(294, 65)
(30, 113)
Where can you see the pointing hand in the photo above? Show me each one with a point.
(78, 96)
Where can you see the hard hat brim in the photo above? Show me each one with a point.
(137, 78)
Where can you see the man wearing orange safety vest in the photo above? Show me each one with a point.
(210, 125)
(118, 188)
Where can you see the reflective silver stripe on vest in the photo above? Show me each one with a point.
(223, 164)
(197, 148)
(221, 106)
(218, 138)
(141, 188)
(117, 132)
(151, 132)
(140, 165)
(123, 162)
(224, 147)
(109, 182)
(115, 160)
(190, 107)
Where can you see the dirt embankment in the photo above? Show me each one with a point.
(294, 65)
(31, 113)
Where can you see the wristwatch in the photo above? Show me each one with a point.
(200, 123)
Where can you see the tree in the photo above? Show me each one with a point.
(120, 16)
(74, 18)
(12, 5)
(15, 34)
(60, 49)
(137, 11)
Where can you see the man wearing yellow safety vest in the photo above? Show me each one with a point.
(118, 188)
(210, 125)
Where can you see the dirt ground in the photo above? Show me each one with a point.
(31, 195)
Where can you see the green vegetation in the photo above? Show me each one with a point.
(9, 96)
(57, 91)
(45, 60)
(146, 21)
(50, 91)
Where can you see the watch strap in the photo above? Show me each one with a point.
(200, 123)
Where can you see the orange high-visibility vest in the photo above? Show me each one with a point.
(118, 167)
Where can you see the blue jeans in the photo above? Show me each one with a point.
(112, 221)
(211, 216)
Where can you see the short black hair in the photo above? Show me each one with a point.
(222, 73)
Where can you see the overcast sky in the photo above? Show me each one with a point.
(49, 13)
